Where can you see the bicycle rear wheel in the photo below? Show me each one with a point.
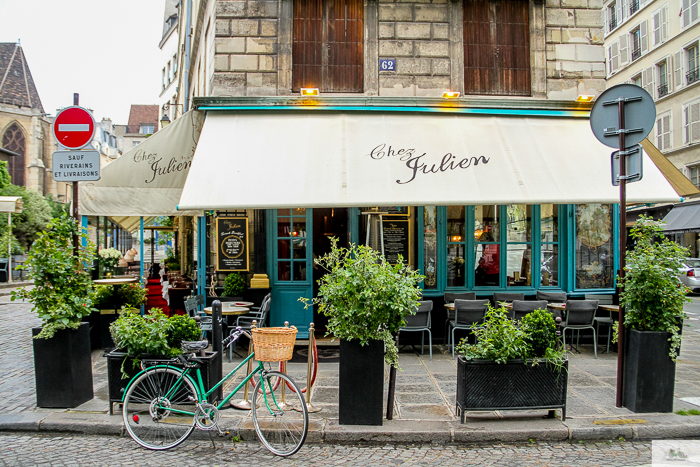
(152, 408)
(283, 432)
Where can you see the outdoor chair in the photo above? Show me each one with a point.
(580, 314)
(469, 315)
(606, 320)
(421, 322)
(507, 297)
(450, 297)
(552, 297)
(523, 307)
(246, 322)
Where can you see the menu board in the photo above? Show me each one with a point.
(232, 244)
(396, 240)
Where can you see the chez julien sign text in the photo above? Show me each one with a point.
(420, 164)
(158, 167)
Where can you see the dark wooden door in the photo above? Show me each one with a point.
(327, 46)
(497, 47)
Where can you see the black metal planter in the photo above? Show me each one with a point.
(649, 372)
(361, 383)
(483, 385)
(211, 373)
(63, 368)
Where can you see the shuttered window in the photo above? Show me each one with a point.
(690, 12)
(497, 47)
(327, 45)
(663, 132)
(691, 122)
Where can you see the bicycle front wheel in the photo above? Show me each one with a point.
(281, 431)
(159, 409)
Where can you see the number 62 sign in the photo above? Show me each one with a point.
(387, 64)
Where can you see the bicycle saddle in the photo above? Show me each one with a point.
(194, 346)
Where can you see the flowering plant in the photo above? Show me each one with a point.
(110, 256)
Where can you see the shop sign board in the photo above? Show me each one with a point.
(232, 244)
(76, 166)
(396, 240)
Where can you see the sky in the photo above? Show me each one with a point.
(105, 50)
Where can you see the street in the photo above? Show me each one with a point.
(44, 450)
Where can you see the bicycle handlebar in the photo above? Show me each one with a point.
(234, 336)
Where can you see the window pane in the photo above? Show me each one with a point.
(519, 265)
(455, 223)
(455, 265)
(299, 212)
(430, 247)
(486, 223)
(283, 269)
(549, 222)
(549, 264)
(283, 250)
(299, 248)
(594, 246)
(299, 270)
(487, 258)
(283, 227)
(519, 223)
(284, 212)
(299, 229)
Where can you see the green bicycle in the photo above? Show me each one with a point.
(164, 403)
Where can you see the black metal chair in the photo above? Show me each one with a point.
(506, 297)
(607, 319)
(450, 297)
(421, 322)
(552, 297)
(580, 314)
(246, 322)
(469, 314)
(523, 307)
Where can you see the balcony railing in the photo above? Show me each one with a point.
(613, 23)
(692, 76)
(634, 7)
(663, 90)
(636, 53)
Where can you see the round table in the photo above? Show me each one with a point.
(117, 280)
(231, 311)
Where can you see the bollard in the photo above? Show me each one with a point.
(392, 389)
(244, 404)
(217, 345)
(309, 372)
(283, 368)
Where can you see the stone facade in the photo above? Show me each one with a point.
(253, 46)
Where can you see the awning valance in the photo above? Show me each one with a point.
(148, 179)
(683, 218)
(323, 159)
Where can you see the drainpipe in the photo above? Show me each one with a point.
(188, 41)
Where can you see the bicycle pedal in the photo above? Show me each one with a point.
(224, 433)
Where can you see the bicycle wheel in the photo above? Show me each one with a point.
(283, 432)
(151, 409)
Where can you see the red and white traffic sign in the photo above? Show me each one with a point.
(74, 127)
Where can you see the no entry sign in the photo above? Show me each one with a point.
(74, 127)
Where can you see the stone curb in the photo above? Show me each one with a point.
(392, 432)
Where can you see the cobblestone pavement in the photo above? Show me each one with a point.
(43, 450)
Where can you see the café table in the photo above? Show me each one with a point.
(229, 311)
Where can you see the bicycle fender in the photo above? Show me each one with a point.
(131, 381)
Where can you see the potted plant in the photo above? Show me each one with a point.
(62, 295)
(109, 258)
(652, 297)
(366, 300)
(153, 336)
(133, 295)
(513, 365)
(234, 285)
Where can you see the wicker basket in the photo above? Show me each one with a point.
(274, 344)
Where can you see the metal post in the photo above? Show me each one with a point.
(143, 307)
(622, 248)
(76, 216)
(392, 389)
(310, 371)
(9, 247)
(244, 404)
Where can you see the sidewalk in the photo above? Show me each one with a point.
(425, 399)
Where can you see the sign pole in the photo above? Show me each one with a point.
(76, 217)
(622, 248)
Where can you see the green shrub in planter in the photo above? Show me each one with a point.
(182, 328)
(103, 296)
(134, 295)
(234, 285)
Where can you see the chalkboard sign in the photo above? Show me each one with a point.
(396, 240)
(390, 210)
(232, 244)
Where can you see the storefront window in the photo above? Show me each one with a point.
(291, 244)
(486, 223)
(430, 247)
(519, 247)
(594, 246)
(549, 251)
(487, 259)
(456, 246)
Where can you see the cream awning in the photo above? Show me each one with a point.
(322, 159)
(148, 179)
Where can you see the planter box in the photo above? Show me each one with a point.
(486, 385)
(361, 383)
(211, 374)
(63, 368)
(649, 372)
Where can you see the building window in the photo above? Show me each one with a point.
(456, 246)
(692, 73)
(660, 25)
(487, 246)
(430, 247)
(691, 122)
(291, 245)
(613, 57)
(664, 139)
(549, 250)
(174, 65)
(634, 7)
(168, 73)
(689, 12)
(636, 44)
(147, 129)
(612, 16)
(663, 75)
(637, 80)
(594, 257)
(164, 78)
(135, 143)
(519, 245)
(14, 140)
(694, 175)
(497, 47)
(327, 45)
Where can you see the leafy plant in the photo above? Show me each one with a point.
(182, 328)
(103, 296)
(365, 297)
(234, 285)
(172, 260)
(16, 248)
(652, 294)
(35, 215)
(63, 292)
(134, 295)
(501, 339)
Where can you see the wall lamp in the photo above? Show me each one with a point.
(451, 94)
(307, 92)
(165, 120)
(584, 98)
